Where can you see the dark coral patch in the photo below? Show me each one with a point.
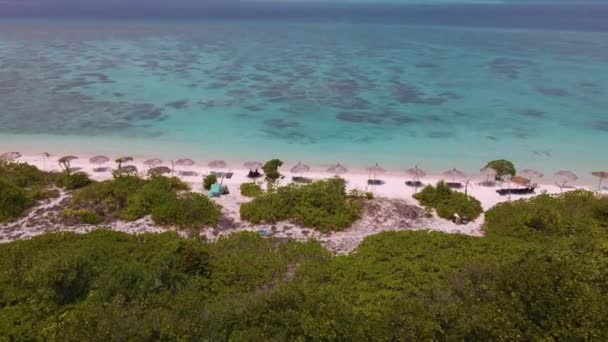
(403, 120)
(533, 113)
(450, 95)
(509, 67)
(406, 93)
(281, 123)
(558, 92)
(179, 104)
(439, 134)
(601, 125)
(254, 108)
(426, 65)
(359, 117)
(99, 76)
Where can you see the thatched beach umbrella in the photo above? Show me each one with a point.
(217, 164)
(375, 170)
(300, 169)
(337, 169)
(184, 162)
(488, 172)
(601, 175)
(253, 165)
(564, 177)
(10, 156)
(45, 156)
(153, 162)
(415, 173)
(531, 174)
(453, 174)
(159, 170)
(98, 160)
(519, 180)
(122, 160)
(129, 169)
(64, 162)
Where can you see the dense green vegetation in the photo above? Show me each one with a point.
(13, 201)
(21, 185)
(130, 197)
(570, 214)
(448, 202)
(71, 181)
(540, 273)
(323, 205)
(502, 167)
(518, 283)
(251, 189)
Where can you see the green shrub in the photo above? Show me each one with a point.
(23, 175)
(208, 181)
(448, 202)
(128, 197)
(502, 167)
(191, 210)
(322, 205)
(151, 193)
(251, 189)
(72, 181)
(568, 214)
(76, 216)
(24, 185)
(109, 196)
(271, 169)
(407, 285)
(13, 201)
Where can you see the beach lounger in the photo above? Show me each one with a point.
(298, 179)
(375, 182)
(523, 191)
(220, 174)
(224, 190)
(416, 184)
(254, 174)
(215, 190)
(454, 185)
(102, 169)
(188, 174)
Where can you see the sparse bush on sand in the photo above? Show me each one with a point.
(321, 205)
(448, 202)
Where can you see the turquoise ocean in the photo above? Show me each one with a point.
(318, 91)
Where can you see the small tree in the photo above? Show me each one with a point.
(502, 167)
(271, 169)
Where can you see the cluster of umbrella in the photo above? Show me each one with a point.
(524, 178)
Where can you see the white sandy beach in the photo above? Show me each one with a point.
(390, 198)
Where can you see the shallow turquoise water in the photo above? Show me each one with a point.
(359, 93)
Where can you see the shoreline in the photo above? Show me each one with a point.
(318, 169)
(389, 199)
